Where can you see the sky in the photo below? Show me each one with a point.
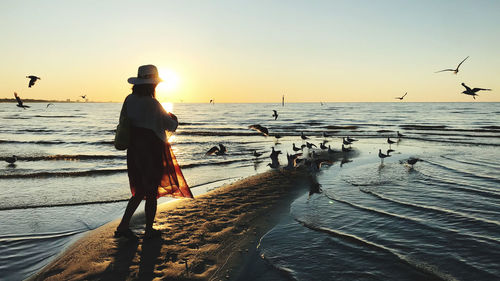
(252, 51)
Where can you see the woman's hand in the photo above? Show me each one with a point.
(172, 116)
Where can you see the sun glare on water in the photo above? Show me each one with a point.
(168, 106)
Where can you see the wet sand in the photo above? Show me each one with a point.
(211, 237)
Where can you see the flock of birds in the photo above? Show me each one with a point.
(31, 83)
(313, 158)
(468, 91)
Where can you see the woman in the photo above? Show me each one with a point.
(152, 168)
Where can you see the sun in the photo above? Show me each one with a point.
(170, 82)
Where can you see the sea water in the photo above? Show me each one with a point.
(371, 221)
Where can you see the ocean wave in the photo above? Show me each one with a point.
(452, 141)
(64, 174)
(49, 142)
(5, 208)
(446, 212)
(66, 157)
(432, 272)
(463, 172)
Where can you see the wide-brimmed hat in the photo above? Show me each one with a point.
(146, 74)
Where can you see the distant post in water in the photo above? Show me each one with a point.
(283, 100)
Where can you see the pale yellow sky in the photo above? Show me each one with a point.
(237, 51)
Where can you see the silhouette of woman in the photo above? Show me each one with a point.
(153, 170)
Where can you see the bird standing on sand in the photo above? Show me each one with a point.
(295, 148)
(390, 142)
(346, 142)
(302, 136)
(455, 71)
(260, 129)
(401, 98)
(33, 79)
(351, 140)
(274, 158)
(345, 149)
(472, 92)
(20, 102)
(275, 114)
(221, 150)
(382, 156)
(11, 160)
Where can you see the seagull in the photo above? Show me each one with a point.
(260, 129)
(330, 150)
(20, 102)
(389, 151)
(275, 114)
(322, 146)
(256, 154)
(382, 156)
(345, 149)
(401, 98)
(11, 160)
(302, 136)
(84, 96)
(310, 145)
(351, 140)
(472, 92)
(412, 161)
(389, 141)
(346, 142)
(296, 148)
(455, 71)
(221, 150)
(33, 79)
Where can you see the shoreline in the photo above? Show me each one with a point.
(212, 237)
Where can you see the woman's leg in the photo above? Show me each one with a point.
(132, 205)
(150, 210)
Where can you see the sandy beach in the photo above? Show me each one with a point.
(210, 237)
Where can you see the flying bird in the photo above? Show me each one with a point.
(472, 92)
(221, 150)
(275, 114)
(402, 97)
(20, 102)
(84, 96)
(33, 79)
(455, 71)
(49, 105)
(261, 129)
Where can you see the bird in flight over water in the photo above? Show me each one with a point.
(20, 102)
(275, 114)
(455, 71)
(83, 96)
(33, 79)
(401, 98)
(472, 92)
